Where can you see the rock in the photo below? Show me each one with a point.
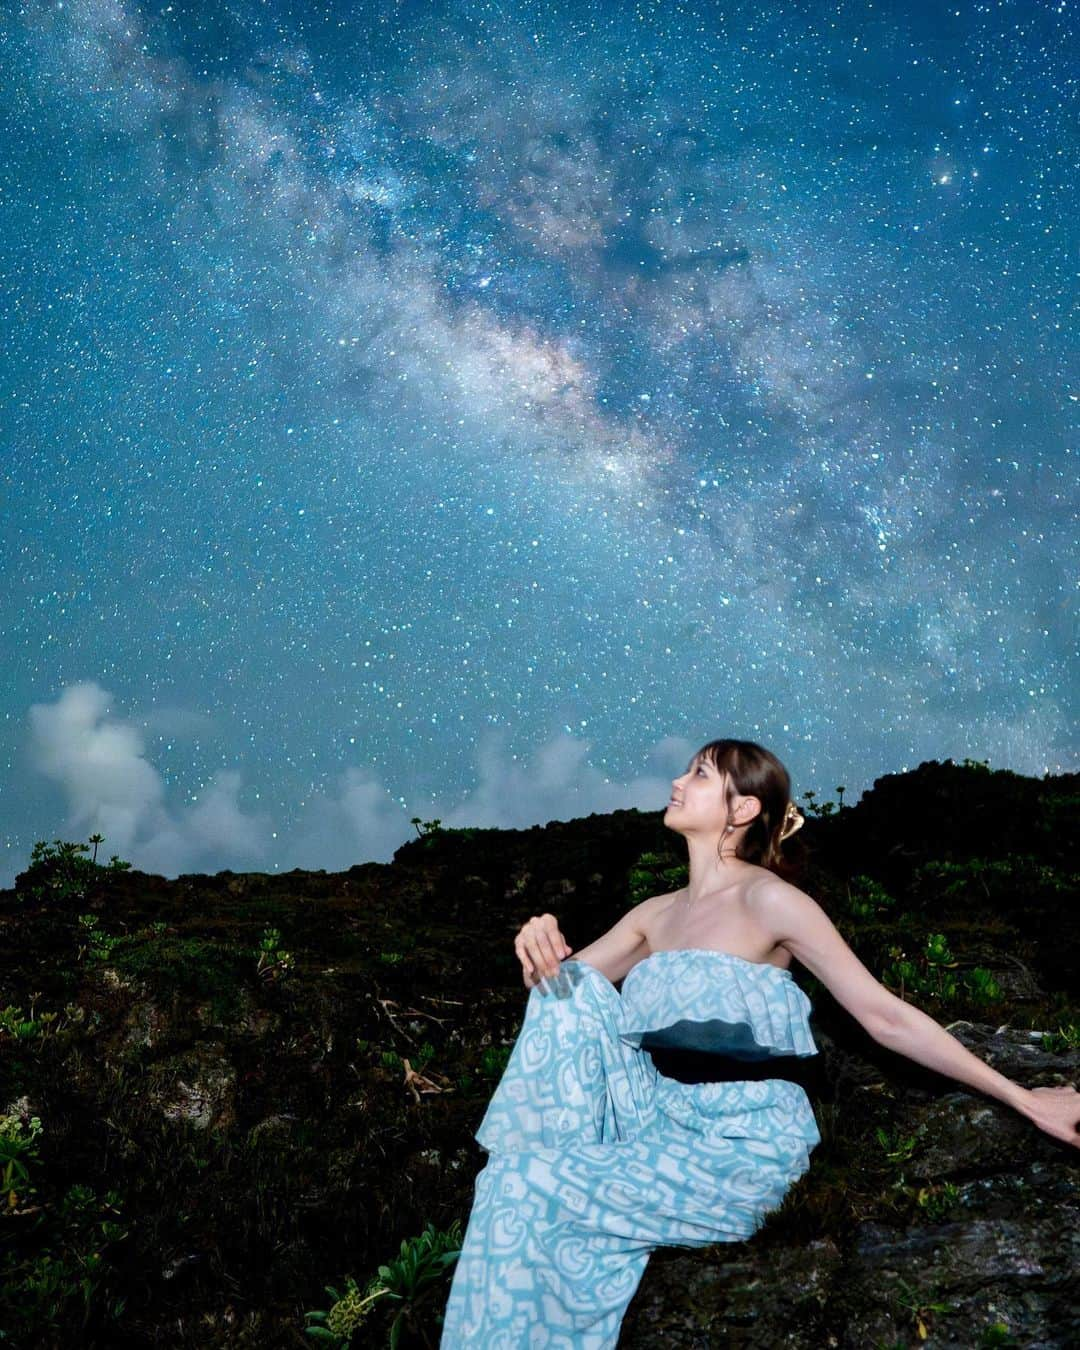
(197, 1087)
(147, 1025)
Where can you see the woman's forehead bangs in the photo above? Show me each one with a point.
(709, 759)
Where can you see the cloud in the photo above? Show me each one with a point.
(112, 789)
(99, 763)
(556, 783)
(360, 821)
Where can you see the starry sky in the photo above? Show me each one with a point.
(466, 410)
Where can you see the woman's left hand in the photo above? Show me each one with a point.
(1057, 1111)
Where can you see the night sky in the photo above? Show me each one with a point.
(468, 410)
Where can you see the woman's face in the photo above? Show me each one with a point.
(698, 797)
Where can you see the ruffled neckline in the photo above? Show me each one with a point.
(702, 999)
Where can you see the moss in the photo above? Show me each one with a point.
(196, 968)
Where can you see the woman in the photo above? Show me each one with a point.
(600, 1149)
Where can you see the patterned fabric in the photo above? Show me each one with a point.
(595, 1158)
(693, 999)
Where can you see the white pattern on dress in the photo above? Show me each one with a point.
(595, 1159)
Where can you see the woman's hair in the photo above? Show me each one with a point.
(754, 771)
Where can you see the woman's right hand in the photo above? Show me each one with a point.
(540, 947)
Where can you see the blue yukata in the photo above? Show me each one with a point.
(595, 1158)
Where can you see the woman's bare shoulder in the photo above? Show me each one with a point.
(650, 910)
(659, 901)
(614, 952)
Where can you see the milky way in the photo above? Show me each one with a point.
(464, 411)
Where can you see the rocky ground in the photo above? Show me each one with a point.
(248, 1087)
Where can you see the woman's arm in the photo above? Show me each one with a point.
(624, 944)
(802, 926)
(541, 947)
(919, 1037)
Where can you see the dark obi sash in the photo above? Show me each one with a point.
(705, 1066)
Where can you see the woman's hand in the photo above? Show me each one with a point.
(540, 947)
(1057, 1111)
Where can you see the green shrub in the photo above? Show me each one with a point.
(409, 1281)
(273, 962)
(494, 1060)
(866, 897)
(97, 944)
(18, 1149)
(207, 970)
(1066, 1037)
(654, 874)
(59, 871)
(56, 1270)
(981, 985)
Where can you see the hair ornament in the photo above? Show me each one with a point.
(793, 820)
